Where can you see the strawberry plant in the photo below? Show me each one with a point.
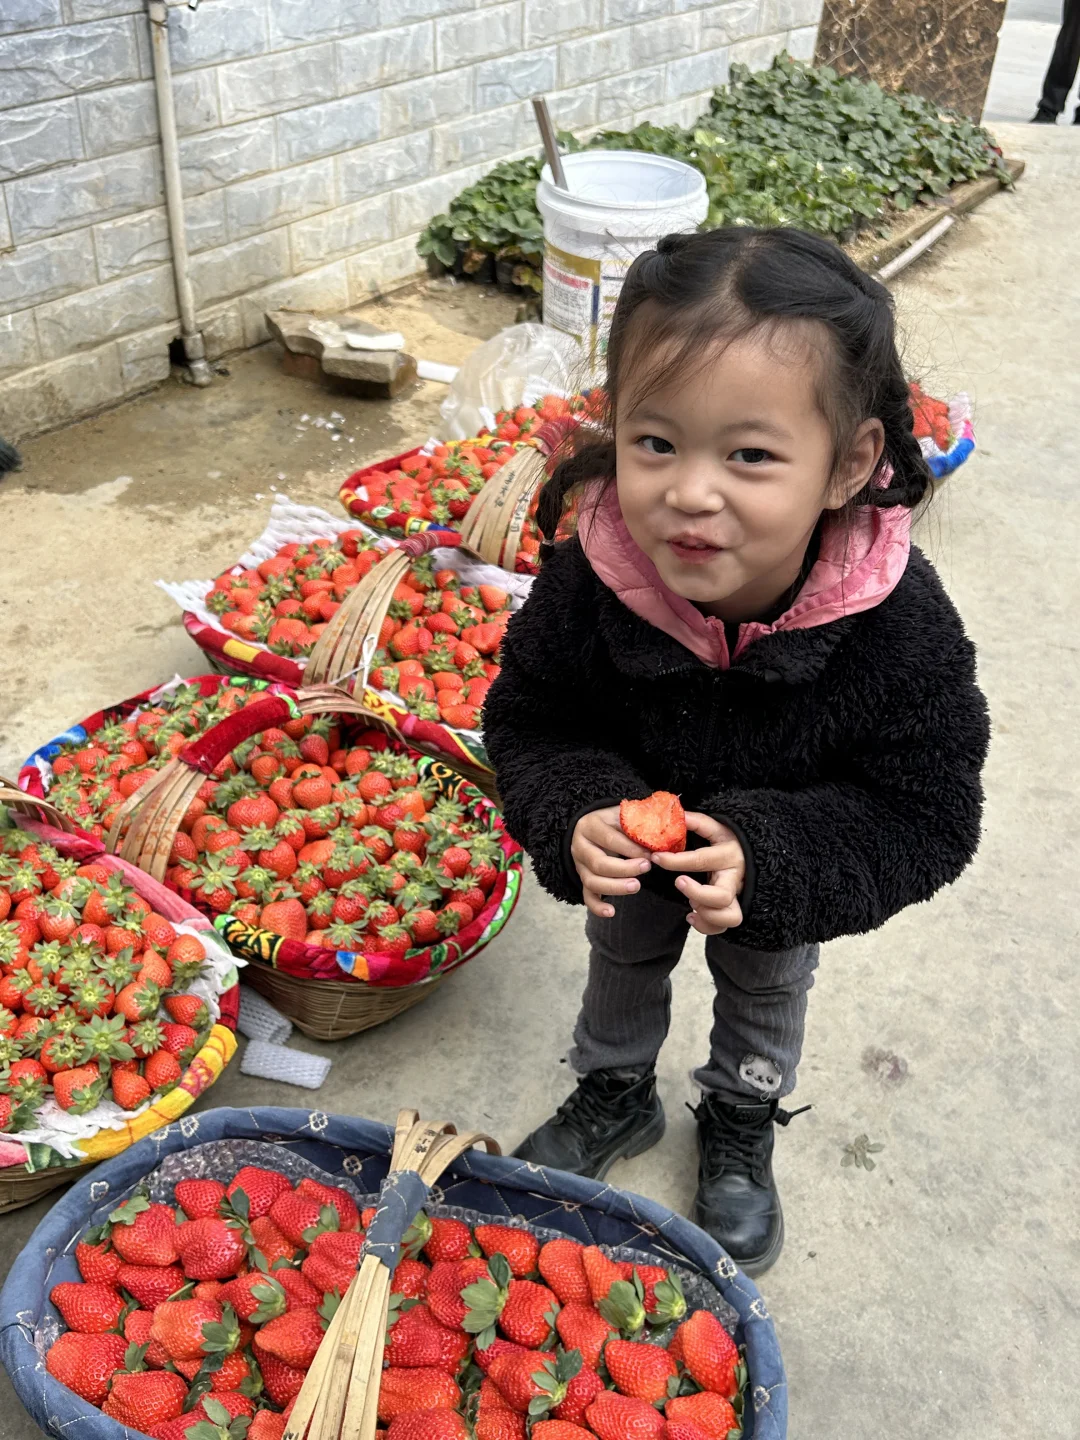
(200, 1320)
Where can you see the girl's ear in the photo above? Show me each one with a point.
(862, 461)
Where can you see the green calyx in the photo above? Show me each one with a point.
(221, 1337)
(670, 1302)
(328, 1220)
(270, 1294)
(553, 1377)
(624, 1306)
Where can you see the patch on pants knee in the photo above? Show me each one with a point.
(759, 1072)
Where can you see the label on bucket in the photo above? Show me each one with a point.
(580, 295)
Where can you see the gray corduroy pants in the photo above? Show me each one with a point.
(759, 1010)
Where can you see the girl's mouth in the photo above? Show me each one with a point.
(692, 551)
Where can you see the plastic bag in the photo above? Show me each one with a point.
(515, 367)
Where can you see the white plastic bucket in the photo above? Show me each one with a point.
(619, 204)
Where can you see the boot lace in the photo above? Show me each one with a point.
(729, 1145)
(596, 1103)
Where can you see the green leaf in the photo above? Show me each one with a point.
(216, 1412)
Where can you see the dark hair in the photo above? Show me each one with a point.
(693, 289)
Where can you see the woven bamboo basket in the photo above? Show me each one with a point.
(298, 979)
(344, 650)
(18, 1186)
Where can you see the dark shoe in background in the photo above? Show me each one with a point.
(612, 1115)
(737, 1202)
(1044, 117)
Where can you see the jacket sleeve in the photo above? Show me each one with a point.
(547, 732)
(900, 819)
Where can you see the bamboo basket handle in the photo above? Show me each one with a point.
(339, 655)
(146, 825)
(340, 1396)
(23, 804)
(494, 521)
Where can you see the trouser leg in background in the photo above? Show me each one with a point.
(626, 1007)
(1061, 71)
(759, 1016)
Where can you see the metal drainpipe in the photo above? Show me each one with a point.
(194, 346)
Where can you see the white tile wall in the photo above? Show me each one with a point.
(317, 139)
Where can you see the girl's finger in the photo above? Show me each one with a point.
(707, 827)
(714, 921)
(600, 863)
(711, 857)
(706, 897)
(598, 907)
(610, 837)
(603, 885)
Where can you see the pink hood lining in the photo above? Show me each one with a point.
(856, 569)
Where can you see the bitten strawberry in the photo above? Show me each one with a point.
(658, 823)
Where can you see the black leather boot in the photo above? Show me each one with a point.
(736, 1201)
(612, 1115)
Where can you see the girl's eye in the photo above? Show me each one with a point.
(656, 446)
(750, 455)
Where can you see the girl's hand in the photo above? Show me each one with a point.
(715, 908)
(606, 859)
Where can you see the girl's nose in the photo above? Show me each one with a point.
(695, 491)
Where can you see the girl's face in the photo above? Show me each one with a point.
(723, 473)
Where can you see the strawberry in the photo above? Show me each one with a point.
(178, 1326)
(282, 1381)
(421, 1389)
(447, 1280)
(410, 1280)
(581, 1328)
(300, 1218)
(561, 1266)
(286, 918)
(559, 1430)
(581, 1391)
(232, 1402)
(266, 1426)
(179, 1040)
(658, 823)
(331, 1263)
(210, 1249)
(709, 1353)
(129, 1090)
(150, 1284)
(187, 1009)
(447, 1240)
(146, 1399)
(524, 1310)
(639, 1369)
(499, 1422)
(520, 1247)
(255, 1296)
(89, 1308)
(622, 1417)
(707, 1410)
(261, 1187)
(428, 1425)
(600, 1272)
(492, 598)
(295, 1337)
(533, 1381)
(78, 1090)
(199, 1198)
(341, 1200)
(271, 1243)
(97, 1262)
(456, 860)
(485, 1356)
(418, 1340)
(688, 1430)
(85, 1363)
(137, 1001)
(311, 792)
(145, 1234)
(137, 1327)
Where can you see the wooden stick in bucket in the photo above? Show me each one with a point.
(340, 1397)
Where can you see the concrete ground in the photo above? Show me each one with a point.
(935, 1295)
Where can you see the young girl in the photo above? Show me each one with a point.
(741, 619)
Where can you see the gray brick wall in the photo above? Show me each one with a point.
(317, 137)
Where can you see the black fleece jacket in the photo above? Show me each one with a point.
(846, 757)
